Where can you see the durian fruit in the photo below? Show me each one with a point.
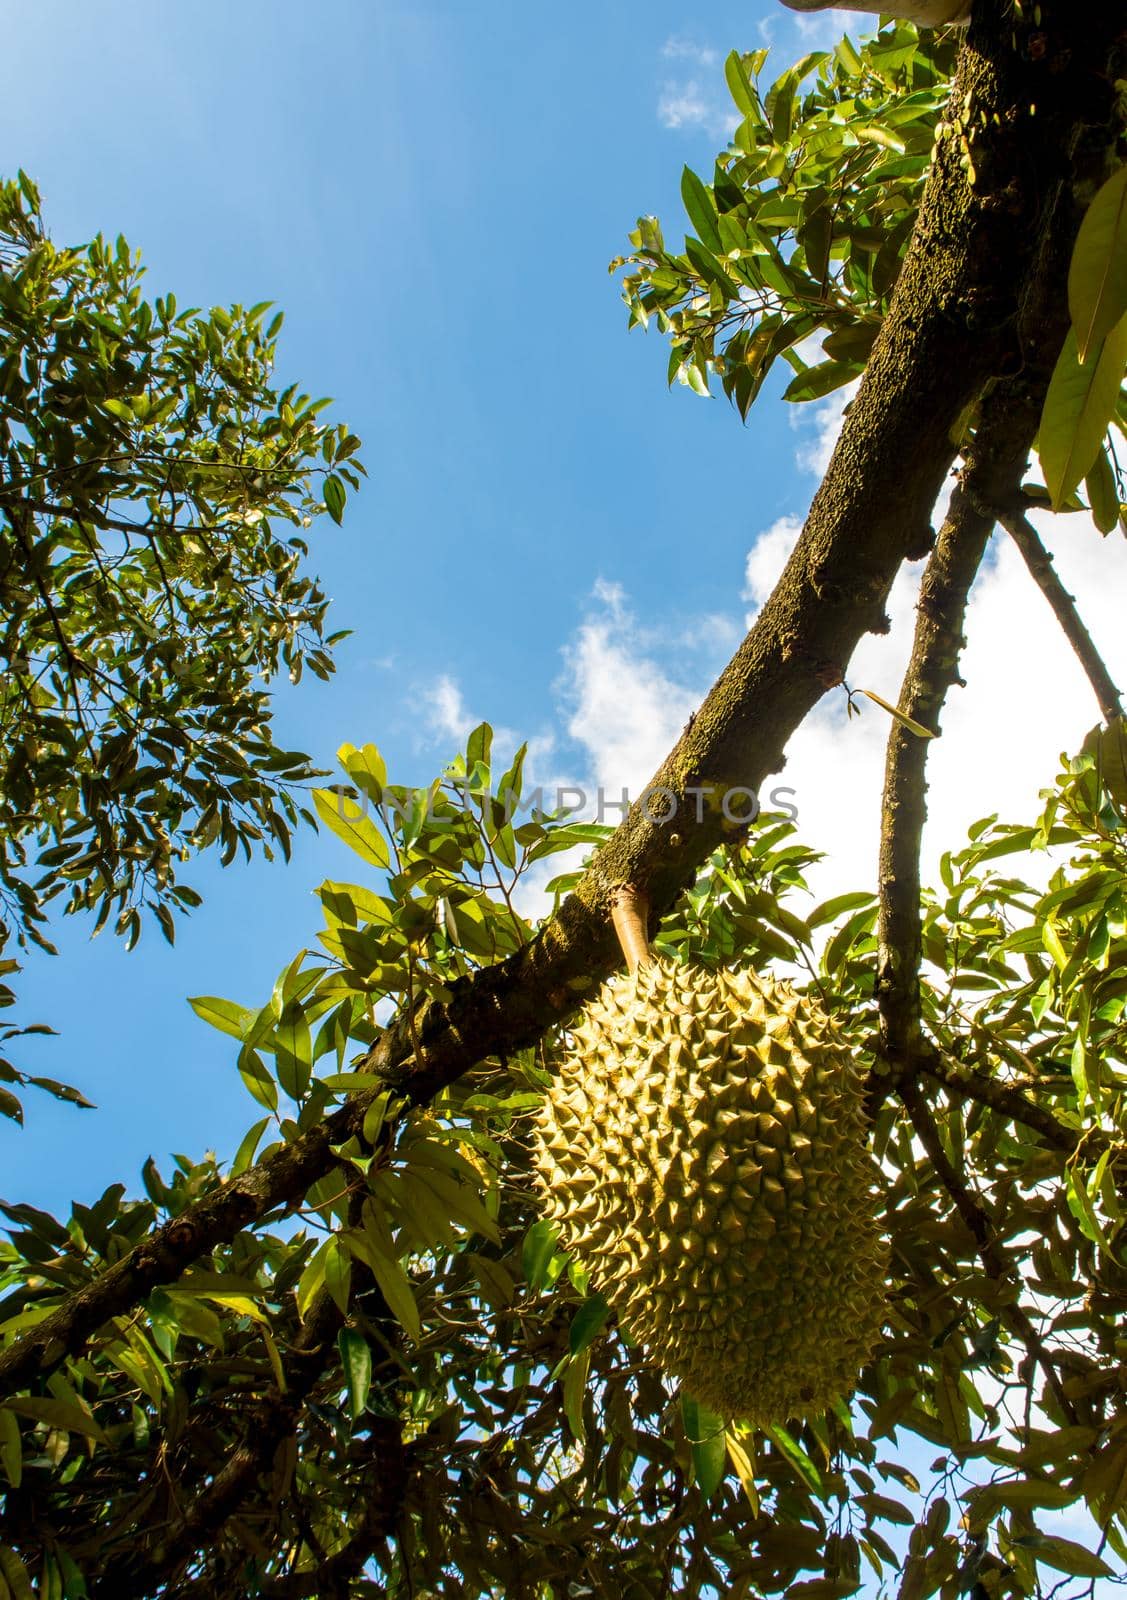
(703, 1152)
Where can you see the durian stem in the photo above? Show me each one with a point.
(630, 911)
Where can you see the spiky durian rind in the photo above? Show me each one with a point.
(703, 1150)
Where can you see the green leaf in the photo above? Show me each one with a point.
(799, 1460)
(908, 722)
(334, 495)
(829, 910)
(1103, 493)
(312, 1279)
(705, 1433)
(461, 1204)
(574, 1389)
(11, 1453)
(223, 1014)
(587, 1322)
(743, 1462)
(338, 1274)
(259, 1083)
(62, 1414)
(537, 1251)
(15, 1575)
(1065, 1555)
(814, 382)
(1079, 406)
(293, 1051)
(244, 1155)
(393, 1282)
(356, 1359)
(739, 85)
(366, 767)
(478, 747)
(350, 822)
(1097, 275)
(701, 209)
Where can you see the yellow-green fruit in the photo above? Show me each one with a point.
(703, 1151)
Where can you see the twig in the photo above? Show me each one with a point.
(384, 1493)
(131, 1579)
(1006, 1101)
(1040, 564)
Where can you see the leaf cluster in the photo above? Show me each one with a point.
(467, 1383)
(802, 230)
(155, 492)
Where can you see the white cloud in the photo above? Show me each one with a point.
(766, 560)
(1025, 702)
(823, 30)
(688, 104)
(676, 48)
(627, 690)
(626, 711)
(445, 711)
(818, 426)
(698, 99)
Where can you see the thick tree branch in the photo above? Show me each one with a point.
(950, 330)
(983, 1232)
(1040, 564)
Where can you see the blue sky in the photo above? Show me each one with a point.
(549, 538)
(432, 194)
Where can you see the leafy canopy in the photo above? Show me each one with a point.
(394, 1382)
(462, 1356)
(155, 490)
(799, 238)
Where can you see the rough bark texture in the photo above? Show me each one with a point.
(991, 486)
(1022, 96)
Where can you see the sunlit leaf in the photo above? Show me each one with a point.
(1078, 409)
(1097, 275)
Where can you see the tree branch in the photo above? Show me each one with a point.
(383, 1503)
(1006, 1101)
(1040, 564)
(932, 670)
(996, 460)
(129, 1578)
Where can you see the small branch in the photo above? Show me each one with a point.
(982, 1230)
(1040, 564)
(1006, 1101)
(995, 465)
(384, 1493)
(314, 1347)
(932, 671)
